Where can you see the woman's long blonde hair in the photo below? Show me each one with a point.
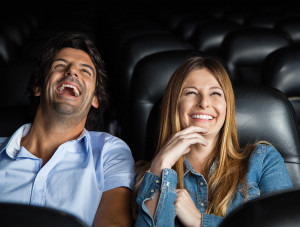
(231, 165)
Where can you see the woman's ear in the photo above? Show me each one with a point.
(37, 91)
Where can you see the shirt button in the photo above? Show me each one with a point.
(201, 183)
(167, 172)
(152, 190)
(157, 181)
(202, 204)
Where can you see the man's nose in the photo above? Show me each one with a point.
(72, 71)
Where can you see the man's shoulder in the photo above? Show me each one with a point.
(104, 139)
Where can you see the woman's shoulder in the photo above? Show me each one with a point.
(264, 152)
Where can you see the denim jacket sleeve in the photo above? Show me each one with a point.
(165, 209)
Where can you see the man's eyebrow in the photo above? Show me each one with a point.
(82, 64)
(59, 59)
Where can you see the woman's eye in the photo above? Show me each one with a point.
(190, 93)
(217, 93)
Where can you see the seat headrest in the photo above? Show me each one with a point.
(264, 113)
(150, 78)
(281, 70)
(139, 47)
(249, 47)
(209, 37)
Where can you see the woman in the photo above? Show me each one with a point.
(199, 173)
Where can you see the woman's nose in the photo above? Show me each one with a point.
(203, 102)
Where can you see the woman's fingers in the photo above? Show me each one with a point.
(189, 132)
(178, 145)
(186, 210)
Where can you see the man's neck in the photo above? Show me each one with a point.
(47, 134)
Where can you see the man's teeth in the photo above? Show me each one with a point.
(200, 116)
(62, 87)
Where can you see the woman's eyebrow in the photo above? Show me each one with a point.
(189, 87)
(214, 87)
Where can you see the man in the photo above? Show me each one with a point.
(55, 162)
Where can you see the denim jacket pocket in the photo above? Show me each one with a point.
(252, 190)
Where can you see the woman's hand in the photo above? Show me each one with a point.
(186, 210)
(178, 145)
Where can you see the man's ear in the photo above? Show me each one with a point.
(37, 91)
(95, 102)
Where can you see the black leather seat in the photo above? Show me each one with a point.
(244, 51)
(263, 113)
(17, 215)
(136, 49)
(117, 38)
(149, 80)
(188, 24)
(290, 26)
(7, 50)
(208, 37)
(259, 20)
(278, 209)
(14, 79)
(281, 70)
(12, 118)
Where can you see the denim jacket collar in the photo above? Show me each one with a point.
(189, 168)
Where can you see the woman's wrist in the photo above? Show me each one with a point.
(157, 167)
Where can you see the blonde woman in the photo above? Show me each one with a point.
(199, 173)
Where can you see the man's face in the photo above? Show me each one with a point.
(69, 87)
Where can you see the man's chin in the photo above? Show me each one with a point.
(65, 108)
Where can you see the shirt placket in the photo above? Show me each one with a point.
(38, 188)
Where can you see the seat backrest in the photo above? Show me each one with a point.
(12, 118)
(290, 26)
(208, 37)
(276, 209)
(265, 113)
(244, 51)
(262, 20)
(134, 51)
(281, 70)
(187, 26)
(6, 49)
(149, 81)
(14, 80)
(119, 37)
(13, 214)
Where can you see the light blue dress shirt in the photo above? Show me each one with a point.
(75, 177)
(266, 173)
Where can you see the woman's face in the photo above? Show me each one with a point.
(202, 102)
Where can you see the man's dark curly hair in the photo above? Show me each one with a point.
(78, 41)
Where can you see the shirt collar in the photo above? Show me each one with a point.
(12, 147)
(189, 168)
(13, 144)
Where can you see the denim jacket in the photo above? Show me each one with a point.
(266, 173)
